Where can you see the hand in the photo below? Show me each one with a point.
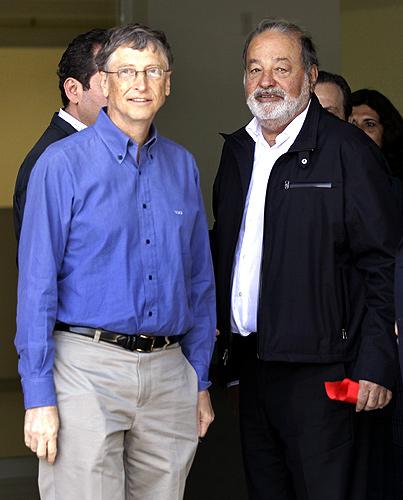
(40, 431)
(205, 413)
(372, 396)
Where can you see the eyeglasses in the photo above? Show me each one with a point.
(130, 74)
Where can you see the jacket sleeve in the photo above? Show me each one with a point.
(399, 297)
(374, 226)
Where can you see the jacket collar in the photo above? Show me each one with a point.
(306, 139)
(243, 146)
(62, 124)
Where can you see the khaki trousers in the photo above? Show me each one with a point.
(128, 427)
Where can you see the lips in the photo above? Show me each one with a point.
(139, 99)
(268, 95)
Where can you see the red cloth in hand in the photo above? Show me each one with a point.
(346, 390)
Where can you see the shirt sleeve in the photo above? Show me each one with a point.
(43, 239)
(198, 343)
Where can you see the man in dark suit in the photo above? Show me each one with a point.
(82, 97)
(301, 202)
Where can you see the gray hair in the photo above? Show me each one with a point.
(308, 51)
(136, 36)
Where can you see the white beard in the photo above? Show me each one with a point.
(278, 114)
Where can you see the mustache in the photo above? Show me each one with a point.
(260, 92)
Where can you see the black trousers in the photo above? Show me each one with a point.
(297, 444)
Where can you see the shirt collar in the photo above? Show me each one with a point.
(67, 117)
(117, 141)
(290, 132)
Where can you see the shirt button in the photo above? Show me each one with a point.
(150, 277)
(240, 294)
(304, 161)
(144, 205)
(150, 313)
(120, 157)
(148, 242)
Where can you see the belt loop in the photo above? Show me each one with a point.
(97, 335)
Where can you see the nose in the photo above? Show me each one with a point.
(266, 79)
(140, 80)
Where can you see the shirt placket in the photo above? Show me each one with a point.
(149, 249)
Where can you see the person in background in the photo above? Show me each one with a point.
(301, 200)
(82, 98)
(334, 94)
(374, 114)
(116, 302)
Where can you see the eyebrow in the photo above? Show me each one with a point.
(275, 59)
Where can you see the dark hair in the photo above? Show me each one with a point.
(326, 77)
(308, 51)
(135, 36)
(392, 122)
(78, 60)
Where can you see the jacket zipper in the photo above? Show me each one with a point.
(291, 185)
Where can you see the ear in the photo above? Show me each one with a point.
(73, 89)
(104, 82)
(313, 76)
(168, 84)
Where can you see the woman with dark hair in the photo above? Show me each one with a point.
(380, 120)
(373, 113)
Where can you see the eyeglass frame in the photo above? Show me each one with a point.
(136, 72)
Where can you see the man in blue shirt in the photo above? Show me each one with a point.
(116, 305)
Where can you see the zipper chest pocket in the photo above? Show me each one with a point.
(295, 185)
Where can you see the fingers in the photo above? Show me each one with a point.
(373, 399)
(205, 413)
(52, 451)
(362, 397)
(40, 431)
(372, 396)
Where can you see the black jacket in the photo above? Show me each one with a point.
(331, 224)
(57, 129)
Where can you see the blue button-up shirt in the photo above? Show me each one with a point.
(113, 243)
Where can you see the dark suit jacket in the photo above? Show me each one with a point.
(57, 129)
(330, 218)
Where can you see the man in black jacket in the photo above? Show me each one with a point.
(82, 97)
(302, 203)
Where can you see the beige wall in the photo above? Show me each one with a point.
(29, 96)
(207, 92)
(372, 46)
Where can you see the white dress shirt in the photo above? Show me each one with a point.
(248, 253)
(70, 119)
